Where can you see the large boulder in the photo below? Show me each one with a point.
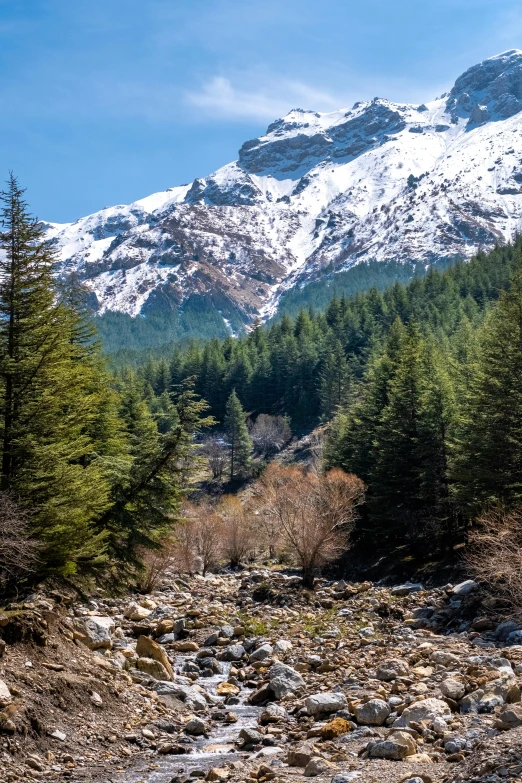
(325, 703)
(147, 648)
(95, 632)
(284, 680)
(423, 710)
(372, 713)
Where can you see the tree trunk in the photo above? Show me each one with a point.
(308, 578)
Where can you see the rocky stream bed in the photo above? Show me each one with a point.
(246, 676)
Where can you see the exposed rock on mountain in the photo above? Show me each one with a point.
(317, 194)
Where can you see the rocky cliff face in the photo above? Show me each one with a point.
(317, 193)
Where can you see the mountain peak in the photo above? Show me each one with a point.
(490, 90)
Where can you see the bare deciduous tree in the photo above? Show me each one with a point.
(237, 530)
(315, 514)
(18, 551)
(216, 452)
(270, 433)
(495, 553)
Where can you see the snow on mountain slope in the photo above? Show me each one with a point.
(381, 181)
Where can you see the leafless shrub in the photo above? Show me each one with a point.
(495, 554)
(156, 562)
(204, 537)
(216, 452)
(315, 514)
(237, 531)
(270, 433)
(18, 551)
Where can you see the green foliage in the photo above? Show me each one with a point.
(240, 444)
(100, 474)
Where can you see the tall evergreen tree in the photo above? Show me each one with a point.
(50, 395)
(489, 443)
(239, 440)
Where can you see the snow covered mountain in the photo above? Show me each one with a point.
(316, 194)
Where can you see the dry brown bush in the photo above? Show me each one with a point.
(495, 554)
(314, 514)
(237, 531)
(18, 551)
(156, 563)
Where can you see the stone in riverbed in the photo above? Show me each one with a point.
(453, 689)
(284, 680)
(300, 756)
(325, 703)
(170, 691)
(196, 727)
(147, 648)
(262, 653)
(391, 669)
(136, 612)
(317, 766)
(96, 632)
(423, 710)
(282, 646)
(154, 668)
(273, 714)
(372, 713)
(233, 652)
(387, 749)
(251, 736)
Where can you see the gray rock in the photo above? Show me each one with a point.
(251, 736)
(423, 710)
(316, 766)
(387, 749)
(273, 713)
(346, 777)
(211, 640)
(505, 629)
(96, 632)
(391, 669)
(325, 703)
(284, 680)
(195, 727)
(226, 631)
(406, 588)
(464, 588)
(5, 695)
(184, 693)
(453, 689)
(373, 713)
(515, 637)
(282, 646)
(233, 653)
(262, 653)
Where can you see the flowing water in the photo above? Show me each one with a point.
(205, 752)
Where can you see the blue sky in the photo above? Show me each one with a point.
(105, 101)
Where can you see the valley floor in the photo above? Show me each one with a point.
(246, 676)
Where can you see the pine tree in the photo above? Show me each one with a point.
(238, 437)
(489, 442)
(153, 478)
(50, 394)
(334, 381)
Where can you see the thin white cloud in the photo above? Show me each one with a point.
(220, 98)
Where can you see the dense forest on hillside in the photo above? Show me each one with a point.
(416, 387)
(420, 381)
